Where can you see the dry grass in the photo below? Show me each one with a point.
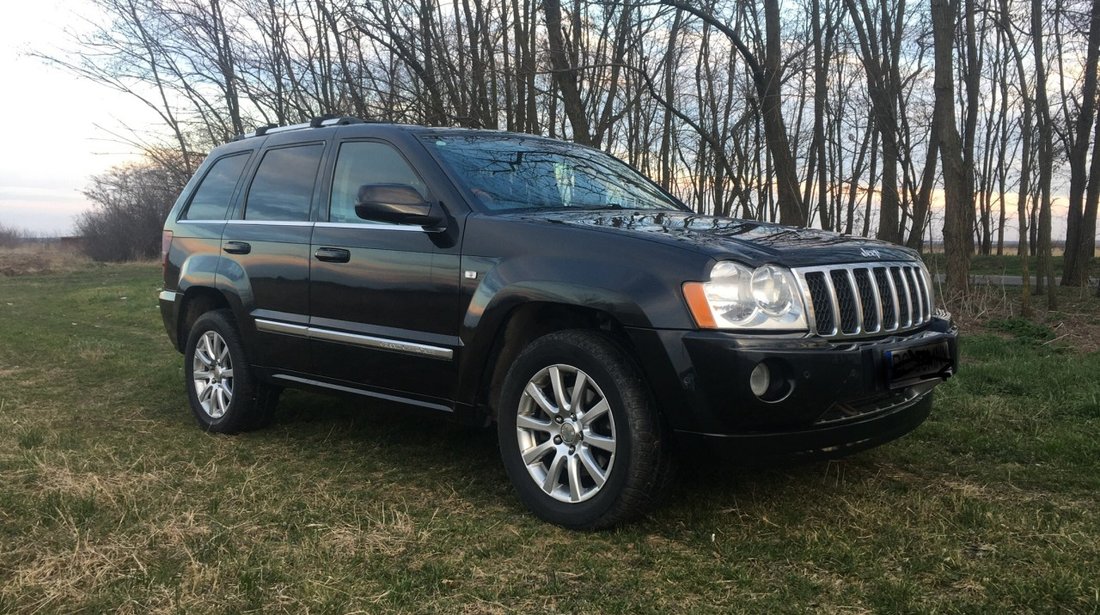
(41, 259)
(112, 501)
(1073, 322)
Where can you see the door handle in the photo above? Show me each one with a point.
(332, 255)
(237, 247)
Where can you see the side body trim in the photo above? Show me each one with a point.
(355, 339)
(363, 392)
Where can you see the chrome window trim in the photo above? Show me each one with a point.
(272, 222)
(355, 339)
(377, 227)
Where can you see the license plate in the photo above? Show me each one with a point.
(907, 366)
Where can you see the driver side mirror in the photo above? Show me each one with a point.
(397, 204)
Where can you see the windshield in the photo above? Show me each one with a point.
(508, 173)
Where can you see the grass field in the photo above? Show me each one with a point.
(112, 500)
(1001, 265)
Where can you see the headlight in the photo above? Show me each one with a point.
(737, 297)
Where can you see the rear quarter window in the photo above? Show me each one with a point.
(212, 197)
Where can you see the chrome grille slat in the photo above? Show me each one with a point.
(921, 295)
(845, 302)
(866, 299)
(903, 292)
(887, 297)
(858, 304)
(816, 292)
(872, 311)
(838, 327)
(927, 293)
(918, 299)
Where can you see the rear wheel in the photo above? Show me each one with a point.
(579, 434)
(225, 396)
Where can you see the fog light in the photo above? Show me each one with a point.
(760, 380)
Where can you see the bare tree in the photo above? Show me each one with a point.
(956, 228)
(1081, 221)
(767, 78)
(827, 112)
(1045, 277)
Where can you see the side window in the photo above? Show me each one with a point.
(212, 197)
(283, 186)
(363, 163)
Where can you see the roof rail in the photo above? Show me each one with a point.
(323, 121)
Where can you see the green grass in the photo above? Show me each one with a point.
(112, 500)
(1008, 264)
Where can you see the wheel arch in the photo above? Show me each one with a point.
(196, 301)
(526, 322)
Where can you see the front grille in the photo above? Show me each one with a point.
(867, 299)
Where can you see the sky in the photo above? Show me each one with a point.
(58, 126)
(51, 144)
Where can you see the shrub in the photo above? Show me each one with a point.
(130, 204)
(11, 236)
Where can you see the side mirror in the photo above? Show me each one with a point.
(397, 204)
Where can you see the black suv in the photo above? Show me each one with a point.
(546, 286)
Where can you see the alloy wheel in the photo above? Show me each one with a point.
(566, 432)
(212, 374)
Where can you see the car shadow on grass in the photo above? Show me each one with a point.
(429, 449)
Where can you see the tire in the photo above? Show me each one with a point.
(225, 395)
(607, 459)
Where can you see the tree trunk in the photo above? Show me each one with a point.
(671, 56)
(957, 238)
(1045, 275)
(565, 74)
(1080, 241)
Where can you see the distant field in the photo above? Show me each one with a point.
(39, 258)
(112, 500)
(1001, 265)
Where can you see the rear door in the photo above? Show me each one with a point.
(198, 230)
(383, 297)
(266, 255)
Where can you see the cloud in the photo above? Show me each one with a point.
(38, 194)
(51, 145)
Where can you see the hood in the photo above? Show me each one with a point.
(751, 242)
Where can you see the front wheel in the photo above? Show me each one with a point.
(225, 396)
(579, 434)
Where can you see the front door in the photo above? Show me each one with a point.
(381, 301)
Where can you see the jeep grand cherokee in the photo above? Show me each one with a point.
(548, 287)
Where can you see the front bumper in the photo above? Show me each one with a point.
(840, 397)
